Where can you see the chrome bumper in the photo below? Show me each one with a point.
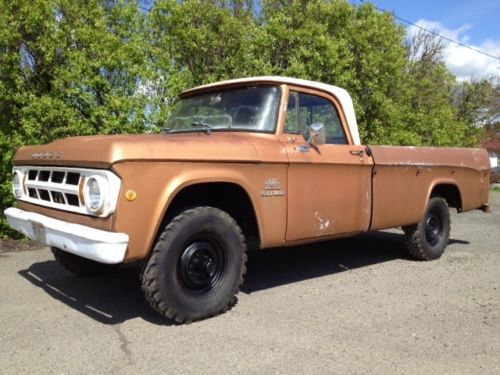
(87, 242)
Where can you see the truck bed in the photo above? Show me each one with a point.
(405, 177)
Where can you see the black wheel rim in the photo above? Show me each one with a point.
(201, 265)
(433, 228)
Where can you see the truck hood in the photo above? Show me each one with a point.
(102, 151)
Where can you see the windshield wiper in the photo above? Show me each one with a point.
(203, 126)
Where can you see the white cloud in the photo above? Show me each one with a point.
(463, 62)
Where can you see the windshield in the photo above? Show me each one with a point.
(243, 109)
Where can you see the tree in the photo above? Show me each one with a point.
(67, 68)
(196, 42)
(357, 48)
(431, 104)
(476, 101)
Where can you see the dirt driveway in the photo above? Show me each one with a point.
(351, 306)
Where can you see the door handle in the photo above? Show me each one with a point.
(357, 153)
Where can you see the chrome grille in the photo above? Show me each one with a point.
(64, 188)
(57, 186)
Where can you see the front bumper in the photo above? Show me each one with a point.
(87, 242)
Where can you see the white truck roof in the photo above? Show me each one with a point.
(342, 95)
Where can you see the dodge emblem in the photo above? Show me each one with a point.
(46, 155)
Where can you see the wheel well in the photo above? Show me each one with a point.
(228, 197)
(450, 193)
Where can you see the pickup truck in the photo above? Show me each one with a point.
(262, 162)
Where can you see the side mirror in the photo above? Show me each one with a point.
(317, 136)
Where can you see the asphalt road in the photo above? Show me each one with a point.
(350, 306)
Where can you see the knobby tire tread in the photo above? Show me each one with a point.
(415, 245)
(151, 270)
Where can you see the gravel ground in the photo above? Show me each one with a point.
(350, 306)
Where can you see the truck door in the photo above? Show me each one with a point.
(329, 186)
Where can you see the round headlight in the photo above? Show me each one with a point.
(17, 187)
(94, 194)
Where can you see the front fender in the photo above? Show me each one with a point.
(156, 184)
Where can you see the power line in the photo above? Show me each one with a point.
(434, 33)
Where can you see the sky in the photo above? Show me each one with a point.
(475, 23)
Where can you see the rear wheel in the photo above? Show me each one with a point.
(81, 266)
(196, 266)
(427, 240)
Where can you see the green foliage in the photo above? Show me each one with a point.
(72, 68)
(474, 100)
(67, 68)
(429, 100)
(195, 42)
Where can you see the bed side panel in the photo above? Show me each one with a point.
(404, 178)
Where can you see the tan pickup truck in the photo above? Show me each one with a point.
(267, 161)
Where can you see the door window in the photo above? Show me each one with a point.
(305, 109)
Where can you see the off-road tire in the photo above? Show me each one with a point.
(79, 265)
(427, 240)
(196, 267)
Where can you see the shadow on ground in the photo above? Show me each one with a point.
(110, 299)
(275, 267)
(117, 297)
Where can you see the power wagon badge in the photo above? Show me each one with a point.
(272, 188)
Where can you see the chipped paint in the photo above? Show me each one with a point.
(323, 224)
(429, 157)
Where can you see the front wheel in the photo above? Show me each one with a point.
(196, 266)
(427, 240)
